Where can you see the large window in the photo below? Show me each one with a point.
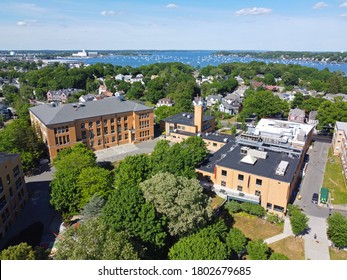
(278, 208)
(259, 182)
(224, 173)
(240, 177)
(269, 206)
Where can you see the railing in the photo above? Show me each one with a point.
(236, 195)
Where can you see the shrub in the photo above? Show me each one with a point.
(233, 206)
(253, 209)
(273, 218)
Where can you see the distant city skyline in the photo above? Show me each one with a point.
(294, 25)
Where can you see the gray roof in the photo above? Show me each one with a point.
(297, 112)
(222, 138)
(263, 167)
(67, 113)
(181, 119)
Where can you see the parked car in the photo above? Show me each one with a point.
(314, 198)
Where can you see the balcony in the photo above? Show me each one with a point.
(235, 195)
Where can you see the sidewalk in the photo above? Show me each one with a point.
(287, 231)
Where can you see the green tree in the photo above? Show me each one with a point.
(65, 194)
(94, 180)
(126, 209)
(20, 137)
(278, 256)
(298, 220)
(236, 241)
(257, 250)
(269, 79)
(163, 112)
(206, 244)
(180, 199)
(93, 208)
(133, 170)
(337, 230)
(93, 240)
(297, 101)
(335, 83)
(290, 79)
(23, 251)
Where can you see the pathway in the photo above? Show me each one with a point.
(287, 231)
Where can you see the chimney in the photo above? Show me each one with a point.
(198, 110)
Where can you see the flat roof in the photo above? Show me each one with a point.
(230, 156)
(50, 115)
(182, 118)
(4, 156)
(342, 126)
(223, 138)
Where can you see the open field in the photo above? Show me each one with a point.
(334, 180)
(337, 254)
(256, 228)
(292, 247)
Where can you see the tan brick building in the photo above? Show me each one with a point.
(339, 144)
(98, 124)
(13, 191)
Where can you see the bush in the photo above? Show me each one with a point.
(273, 218)
(337, 230)
(233, 206)
(253, 209)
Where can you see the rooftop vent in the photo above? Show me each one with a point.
(225, 140)
(184, 114)
(189, 116)
(249, 159)
(282, 168)
(244, 150)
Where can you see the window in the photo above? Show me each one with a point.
(119, 128)
(224, 173)
(126, 136)
(2, 203)
(239, 188)
(214, 144)
(118, 120)
(125, 118)
(19, 183)
(125, 126)
(84, 135)
(16, 171)
(91, 134)
(112, 120)
(240, 177)
(98, 132)
(55, 131)
(258, 182)
(269, 206)
(90, 124)
(8, 179)
(98, 122)
(105, 130)
(1, 186)
(56, 141)
(223, 183)
(91, 143)
(67, 129)
(105, 122)
(82, 125)
(278, 208)
(68, 138)
(120, 137)
(99, 142)
(257, 193)
(113, 138)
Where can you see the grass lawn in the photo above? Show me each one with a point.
(216, 202)
(334, 180)
(256, 228)
(292, 247)
(337, 254)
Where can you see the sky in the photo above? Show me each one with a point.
(287, 25)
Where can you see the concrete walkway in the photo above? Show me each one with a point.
(287, 231)
(317, 249)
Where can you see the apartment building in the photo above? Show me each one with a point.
(339, 144)
(13, 191)
(99, 124)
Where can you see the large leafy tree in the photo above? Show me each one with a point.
(133, 170)
(179, 159)
(263, 104)
(23, 251)
(20, 137)
(257, 250)
(298, 220)
(206, 244)
(180, 199)
(93, 240)
(337, 230)
(236, 241)
(94, 180)
(126, 209)
(66, 196)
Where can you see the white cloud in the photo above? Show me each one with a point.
(26, 22)
(320, 5)
(343, 5)
(108, 13)
(253, 11)
(344, 15)
(171, 6)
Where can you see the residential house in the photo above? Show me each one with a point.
(230, 104)
(312, 118)
(296, 115)
(165, 102)
(87, 97)
(61, 95)
(212, 100)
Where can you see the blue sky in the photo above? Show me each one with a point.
(185, 24)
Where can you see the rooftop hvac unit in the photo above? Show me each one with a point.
(282, 168)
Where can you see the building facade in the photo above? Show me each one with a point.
(99, 124)
(13, 190)
(339, 144)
